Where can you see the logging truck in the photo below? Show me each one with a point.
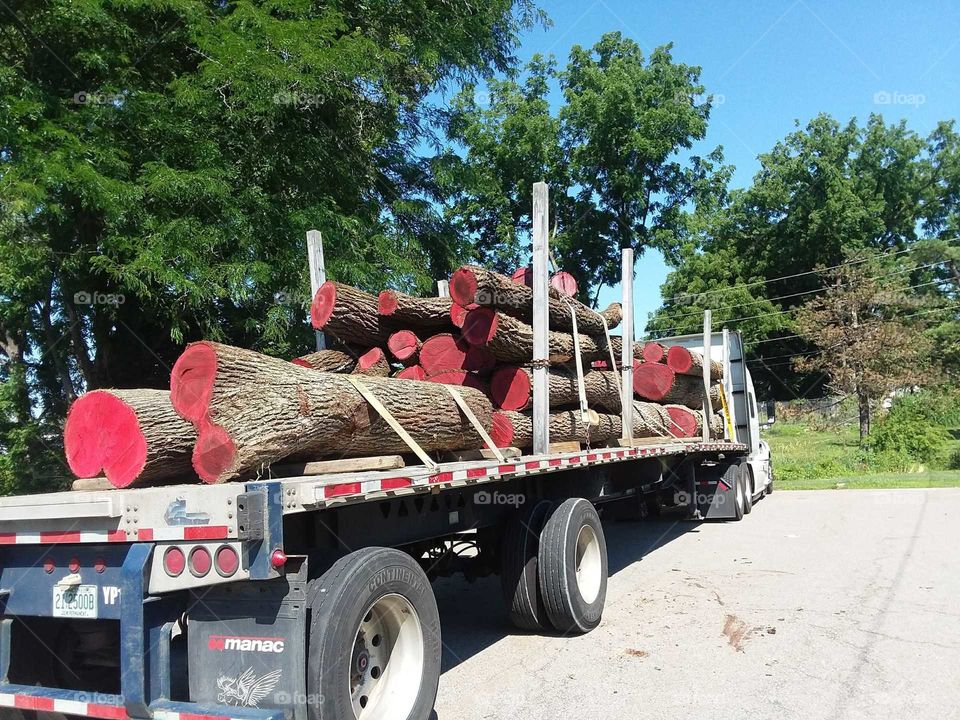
(304, 592)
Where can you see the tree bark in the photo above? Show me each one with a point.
(134, 437)
(431, 315)
(511, 340)
(657, 382)
(333, 361)
(863, 406)
(252, 410)
(511, 388)
(472, 286)
(690, 362)
(350, 315)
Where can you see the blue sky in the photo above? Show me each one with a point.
(773, 62)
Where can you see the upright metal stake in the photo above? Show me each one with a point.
(318, 273)
(707, 405)
(443, 288)
(626, 357)
(541, 318)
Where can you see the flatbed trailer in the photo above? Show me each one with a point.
(309, 597)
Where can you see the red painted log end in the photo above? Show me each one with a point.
(191, 381)
(480, 326)
(652, 380)
(501, 431)
(403, 344)
(214, 452)
(323, 303)
(387, 302)
(414, 372)
(463, 287)
(102, 434)
(679, 359)
(458, 313)
(653, 352)
(370, 358)
(684, 422)
(510, 388)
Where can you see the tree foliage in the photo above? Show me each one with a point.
(823, 193)
(160, 163)
(615, 155)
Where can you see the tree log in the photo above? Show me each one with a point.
(372, 362)
(654, 352)
(404, 345)
(463, 378)
(350, 315)
(472, 286)
(133, 436)
(657, 382)
(458, 313)
(449, 352)
(412, 372)
(690, 362)
(327, 360)
(252, 410)
(430, 314)
(515, 429)
(511, 340)
(511, 388)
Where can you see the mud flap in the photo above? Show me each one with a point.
(716, 491)
(246, 643)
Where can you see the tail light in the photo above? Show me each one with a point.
(74, 565)
(200, 561)
(174, 561)
(227, 560)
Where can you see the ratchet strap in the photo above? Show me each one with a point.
(477, 425)
(388, 418)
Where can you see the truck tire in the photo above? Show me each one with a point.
(518, 569)
(573, 567)
(374, 639)
(746, 477)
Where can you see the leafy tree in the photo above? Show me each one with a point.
(864, 345)
(160, 162)
(825, 191)
(615, 155)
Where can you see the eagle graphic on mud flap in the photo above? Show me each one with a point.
(246, 690)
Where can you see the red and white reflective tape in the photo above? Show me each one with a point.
(93, 710)
(59, 537)
(355, 490)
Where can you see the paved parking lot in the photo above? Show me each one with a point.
(821, 604)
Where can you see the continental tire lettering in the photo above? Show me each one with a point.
(394, 574)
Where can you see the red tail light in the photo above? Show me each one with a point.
(200, 561)
(49, 565)
(174, 561)
(74, 565)
(227, 560)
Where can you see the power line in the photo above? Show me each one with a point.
(821, 289)
(785, 277)
(790, 310)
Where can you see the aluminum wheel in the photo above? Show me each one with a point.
(589, 564)
(387, 662)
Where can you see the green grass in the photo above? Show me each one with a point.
(929, 479)
(808, 458)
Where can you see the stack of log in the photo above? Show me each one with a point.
(233, 413)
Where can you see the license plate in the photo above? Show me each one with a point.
(75, 601)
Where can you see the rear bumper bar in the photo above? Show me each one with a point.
(111, 707)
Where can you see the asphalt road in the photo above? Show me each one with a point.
(820, 604)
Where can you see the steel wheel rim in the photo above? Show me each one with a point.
(589, 564)
(387, 661)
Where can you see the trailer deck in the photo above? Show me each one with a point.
(172, 513)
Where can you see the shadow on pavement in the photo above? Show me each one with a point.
(473, 615)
